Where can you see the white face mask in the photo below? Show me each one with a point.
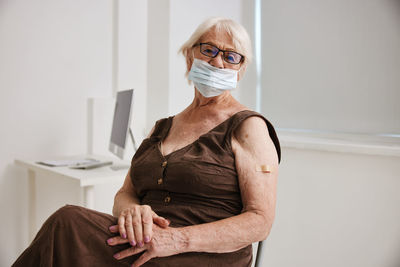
(211, 81)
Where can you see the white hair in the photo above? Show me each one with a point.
(240, 39)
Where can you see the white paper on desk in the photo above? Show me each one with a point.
(66, 162)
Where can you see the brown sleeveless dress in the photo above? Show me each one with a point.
(192, 185)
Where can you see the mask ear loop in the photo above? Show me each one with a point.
(189, 81)
(240, 71)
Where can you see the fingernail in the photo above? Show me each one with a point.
(124, 236)
(140, 244)
(109, 241)
(133, 243)
(112, 228)
(117, 256)
(146, 239)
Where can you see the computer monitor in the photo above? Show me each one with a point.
(121, 122)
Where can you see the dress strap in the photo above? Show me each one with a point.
(161, 128)
(243, 115)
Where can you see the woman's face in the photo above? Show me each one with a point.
(220, 40)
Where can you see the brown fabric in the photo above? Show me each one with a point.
(73, 236)
(195, 184)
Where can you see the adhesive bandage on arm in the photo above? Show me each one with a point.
(263, 168)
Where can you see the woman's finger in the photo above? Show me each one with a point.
(116, 240)
(137, 228)
(121, 226)
(160, 221)
(147, 226)
(113, 229)
(142, 259)
(128, 252)
(129, 229)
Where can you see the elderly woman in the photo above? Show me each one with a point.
(201, 188)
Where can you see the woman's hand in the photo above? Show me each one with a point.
(135, 224)
(166, 242)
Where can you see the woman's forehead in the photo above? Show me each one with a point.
(219, 38)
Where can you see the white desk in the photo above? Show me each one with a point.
(87, 179)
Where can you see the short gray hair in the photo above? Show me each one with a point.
(237, 32)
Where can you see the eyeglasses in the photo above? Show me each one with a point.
(213, 51)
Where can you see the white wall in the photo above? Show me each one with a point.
(335, 209)
(54, 54)
(247, 87)
(332, 65)
(132, 70)
(158, 74)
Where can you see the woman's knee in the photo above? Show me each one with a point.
(66, 214)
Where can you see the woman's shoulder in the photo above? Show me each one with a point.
(160, 127)
(253, 126)
(246, 117)
(248, 121)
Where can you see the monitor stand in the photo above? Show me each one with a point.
(133, 139)
(117, 167)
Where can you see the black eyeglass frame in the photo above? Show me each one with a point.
(223, 53)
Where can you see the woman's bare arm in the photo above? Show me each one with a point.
(125, 197)
(252, 147)
(135, 221)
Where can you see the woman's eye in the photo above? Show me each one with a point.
(210, 51)
(230, 58)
